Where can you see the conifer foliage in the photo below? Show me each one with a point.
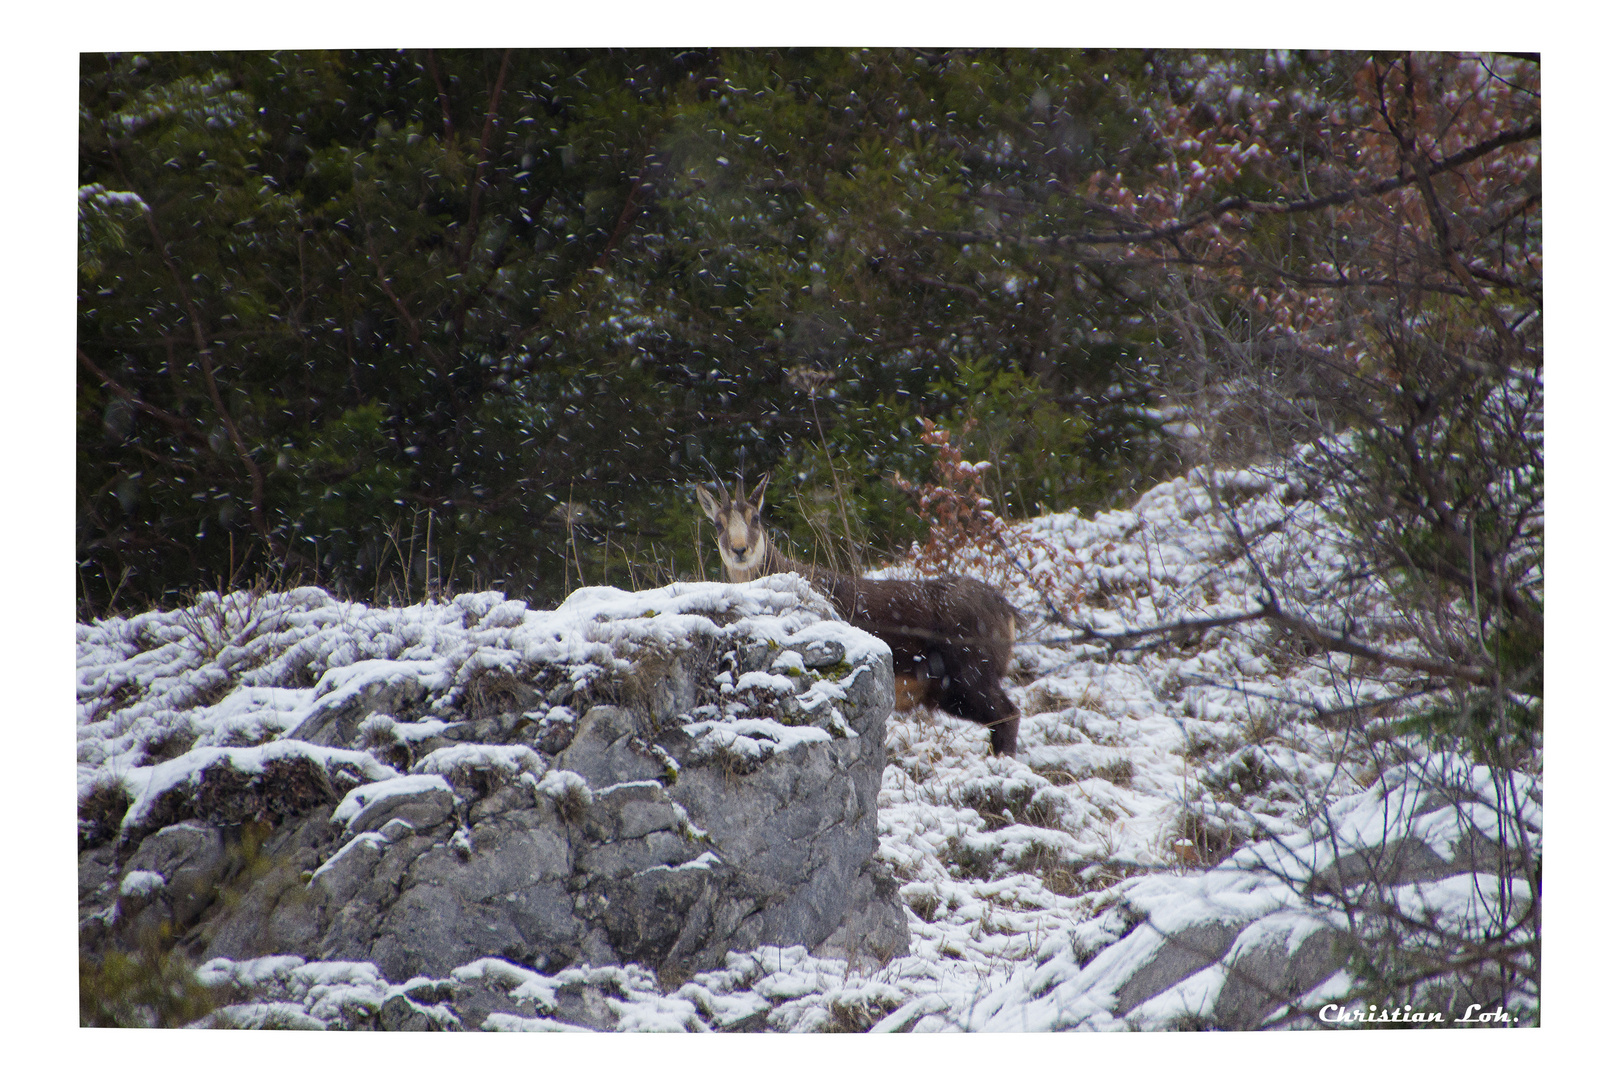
(402, 321)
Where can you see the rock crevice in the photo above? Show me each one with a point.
(693, 786)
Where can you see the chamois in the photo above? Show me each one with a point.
(951, 636)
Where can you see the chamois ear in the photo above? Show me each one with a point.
(754, 500)
(707, 501)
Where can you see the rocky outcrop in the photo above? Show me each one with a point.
(652, 779)
(1262, 940)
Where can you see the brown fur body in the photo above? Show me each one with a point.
(951, 636)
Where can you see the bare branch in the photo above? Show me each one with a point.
(205, 356)
(1240, 204)
(491, 112)
(180, 427)
(1342, 644)
(1185, 626)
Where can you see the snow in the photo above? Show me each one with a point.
(308, 995)
(256, 714)
(507, 760)
(749, 738)
(371, 841)
(141, 883)
(769, 682)
(366, 794)
(148, 785)
(236, 671)
(563, 784)
(338, 685)
(1034, 886)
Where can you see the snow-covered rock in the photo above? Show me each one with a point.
(1177, 843)
(605, 784)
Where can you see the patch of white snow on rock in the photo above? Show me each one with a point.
(1068, 888)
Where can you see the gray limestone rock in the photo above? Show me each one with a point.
(1271, 964)
(372, 686)
(421, 806)
(684, 817)
(1241, 968)
(609, 748)
(192, 858)
(401, 1013)
(1181, 954)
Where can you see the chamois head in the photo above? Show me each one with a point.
(951, 636)
(740, 534)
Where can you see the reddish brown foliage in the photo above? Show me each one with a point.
(966, 536)
(1421, 177)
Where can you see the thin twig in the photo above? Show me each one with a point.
(1241, 204)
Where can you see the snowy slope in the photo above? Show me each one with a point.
(1173, 783)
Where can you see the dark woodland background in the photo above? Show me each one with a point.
(397, 322)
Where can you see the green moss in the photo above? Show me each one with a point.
(153, 987)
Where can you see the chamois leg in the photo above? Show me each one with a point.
(976, 695)
(1004, 735)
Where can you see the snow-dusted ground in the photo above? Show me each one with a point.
(1139, 772)
(239, 679)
